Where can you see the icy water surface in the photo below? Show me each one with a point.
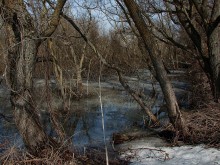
(83, 123)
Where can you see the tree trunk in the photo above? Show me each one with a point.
(23, 41)
(154, 53)
(214, 52)
(78, 64)
(133, 93)
(139, 100)
(19, 73)
(58, 74)
(214, 55)
(203, 16)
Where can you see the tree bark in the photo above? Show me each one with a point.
(214, 50)
(78, 64)
(154, 53)
(19, 76)
(24, 42)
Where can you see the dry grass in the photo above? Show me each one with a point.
(204, 125)
(11, 155)
(14, 156)
(203, 120)
(96, 156)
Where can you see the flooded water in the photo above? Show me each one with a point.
(83, 123)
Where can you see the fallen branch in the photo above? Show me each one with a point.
(165, 155)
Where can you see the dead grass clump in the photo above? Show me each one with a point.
(204, 125)
(204, 118)
(97, 156)
(14, 155)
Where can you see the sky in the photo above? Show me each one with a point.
(101, 10)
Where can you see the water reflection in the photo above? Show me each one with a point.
(83, 123)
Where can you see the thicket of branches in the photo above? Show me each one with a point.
(69, 41)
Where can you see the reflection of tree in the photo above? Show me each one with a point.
(85, 125)
(79, 118)
(71, 122)
(46, 122)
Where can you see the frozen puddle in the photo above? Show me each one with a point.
(153, 151)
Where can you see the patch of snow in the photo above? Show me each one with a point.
(152, 151)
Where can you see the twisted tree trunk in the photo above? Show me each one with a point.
(23, 41)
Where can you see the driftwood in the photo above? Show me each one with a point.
(121, 137)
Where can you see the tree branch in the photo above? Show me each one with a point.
(55, 18)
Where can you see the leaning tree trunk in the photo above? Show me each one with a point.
(154, 53)
(23, 41)
(133, 93)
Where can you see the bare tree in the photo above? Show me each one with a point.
(199, 21)
(24, 41)
(133, 93)
(151, 46)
